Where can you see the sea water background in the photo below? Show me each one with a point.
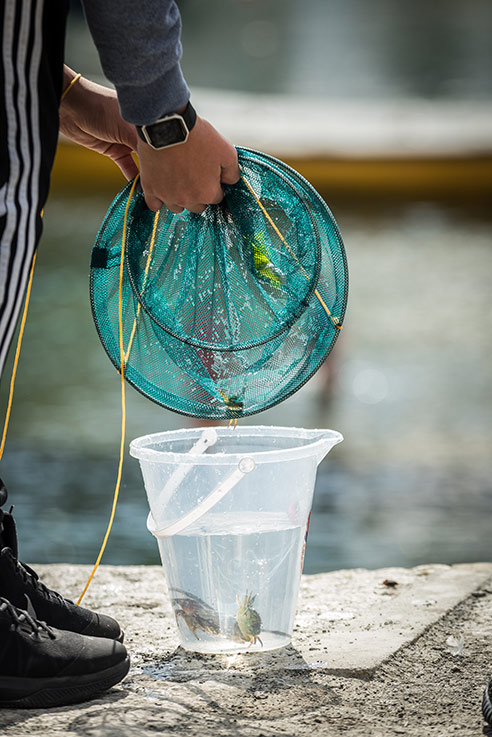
(409, 383)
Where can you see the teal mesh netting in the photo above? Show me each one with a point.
(228, 312)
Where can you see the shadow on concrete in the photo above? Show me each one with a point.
(22, 717)
(182, 666)
(245, 686)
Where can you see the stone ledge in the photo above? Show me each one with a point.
(348, 622)
(352, 627)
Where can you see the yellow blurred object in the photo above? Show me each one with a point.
(77, 169)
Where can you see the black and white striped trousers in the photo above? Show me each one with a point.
(31, 73)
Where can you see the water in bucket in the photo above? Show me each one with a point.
(230, 511)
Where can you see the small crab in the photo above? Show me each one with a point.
(248, 620)
(233, 403)
(196, 613)
(235, 406)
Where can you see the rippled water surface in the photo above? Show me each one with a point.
(409, 385)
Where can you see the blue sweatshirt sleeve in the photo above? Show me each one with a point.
(139, 44)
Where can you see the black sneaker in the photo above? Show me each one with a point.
(41, 666)
(22, 587)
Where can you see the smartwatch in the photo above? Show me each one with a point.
(171, 130)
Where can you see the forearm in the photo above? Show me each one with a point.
(140, 48)
(84, 101)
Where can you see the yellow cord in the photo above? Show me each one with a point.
(146, 273)
(124, 355)
(123, 359)
(267, 215)
(17, 354)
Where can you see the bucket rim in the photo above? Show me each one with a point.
(321, 437)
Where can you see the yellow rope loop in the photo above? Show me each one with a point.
(260, 204)
(124, 355)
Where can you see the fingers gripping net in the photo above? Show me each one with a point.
(228, 312)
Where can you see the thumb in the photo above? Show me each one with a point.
(128, 135)
(126, 164)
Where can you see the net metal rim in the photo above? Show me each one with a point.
(333, 262)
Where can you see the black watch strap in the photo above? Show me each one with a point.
(189, 116)
(169, 130)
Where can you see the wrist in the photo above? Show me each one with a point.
(169, 130)
(70, 78)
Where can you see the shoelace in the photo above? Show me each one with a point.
(20, 617)
(32, 578)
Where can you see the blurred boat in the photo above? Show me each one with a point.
(402, 148)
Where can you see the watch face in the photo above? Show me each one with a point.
(167, 132)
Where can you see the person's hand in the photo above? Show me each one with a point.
(90, 115)
(188, 176)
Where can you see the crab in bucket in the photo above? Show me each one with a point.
(196, 613)
(248, 620)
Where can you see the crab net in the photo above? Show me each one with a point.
(229, 312)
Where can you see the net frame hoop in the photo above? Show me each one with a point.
(335, 251)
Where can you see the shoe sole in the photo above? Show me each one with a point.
(37, 693)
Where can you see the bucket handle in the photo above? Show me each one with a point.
(206, 440)
(245, 465)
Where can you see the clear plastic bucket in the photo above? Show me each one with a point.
(230, 511)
